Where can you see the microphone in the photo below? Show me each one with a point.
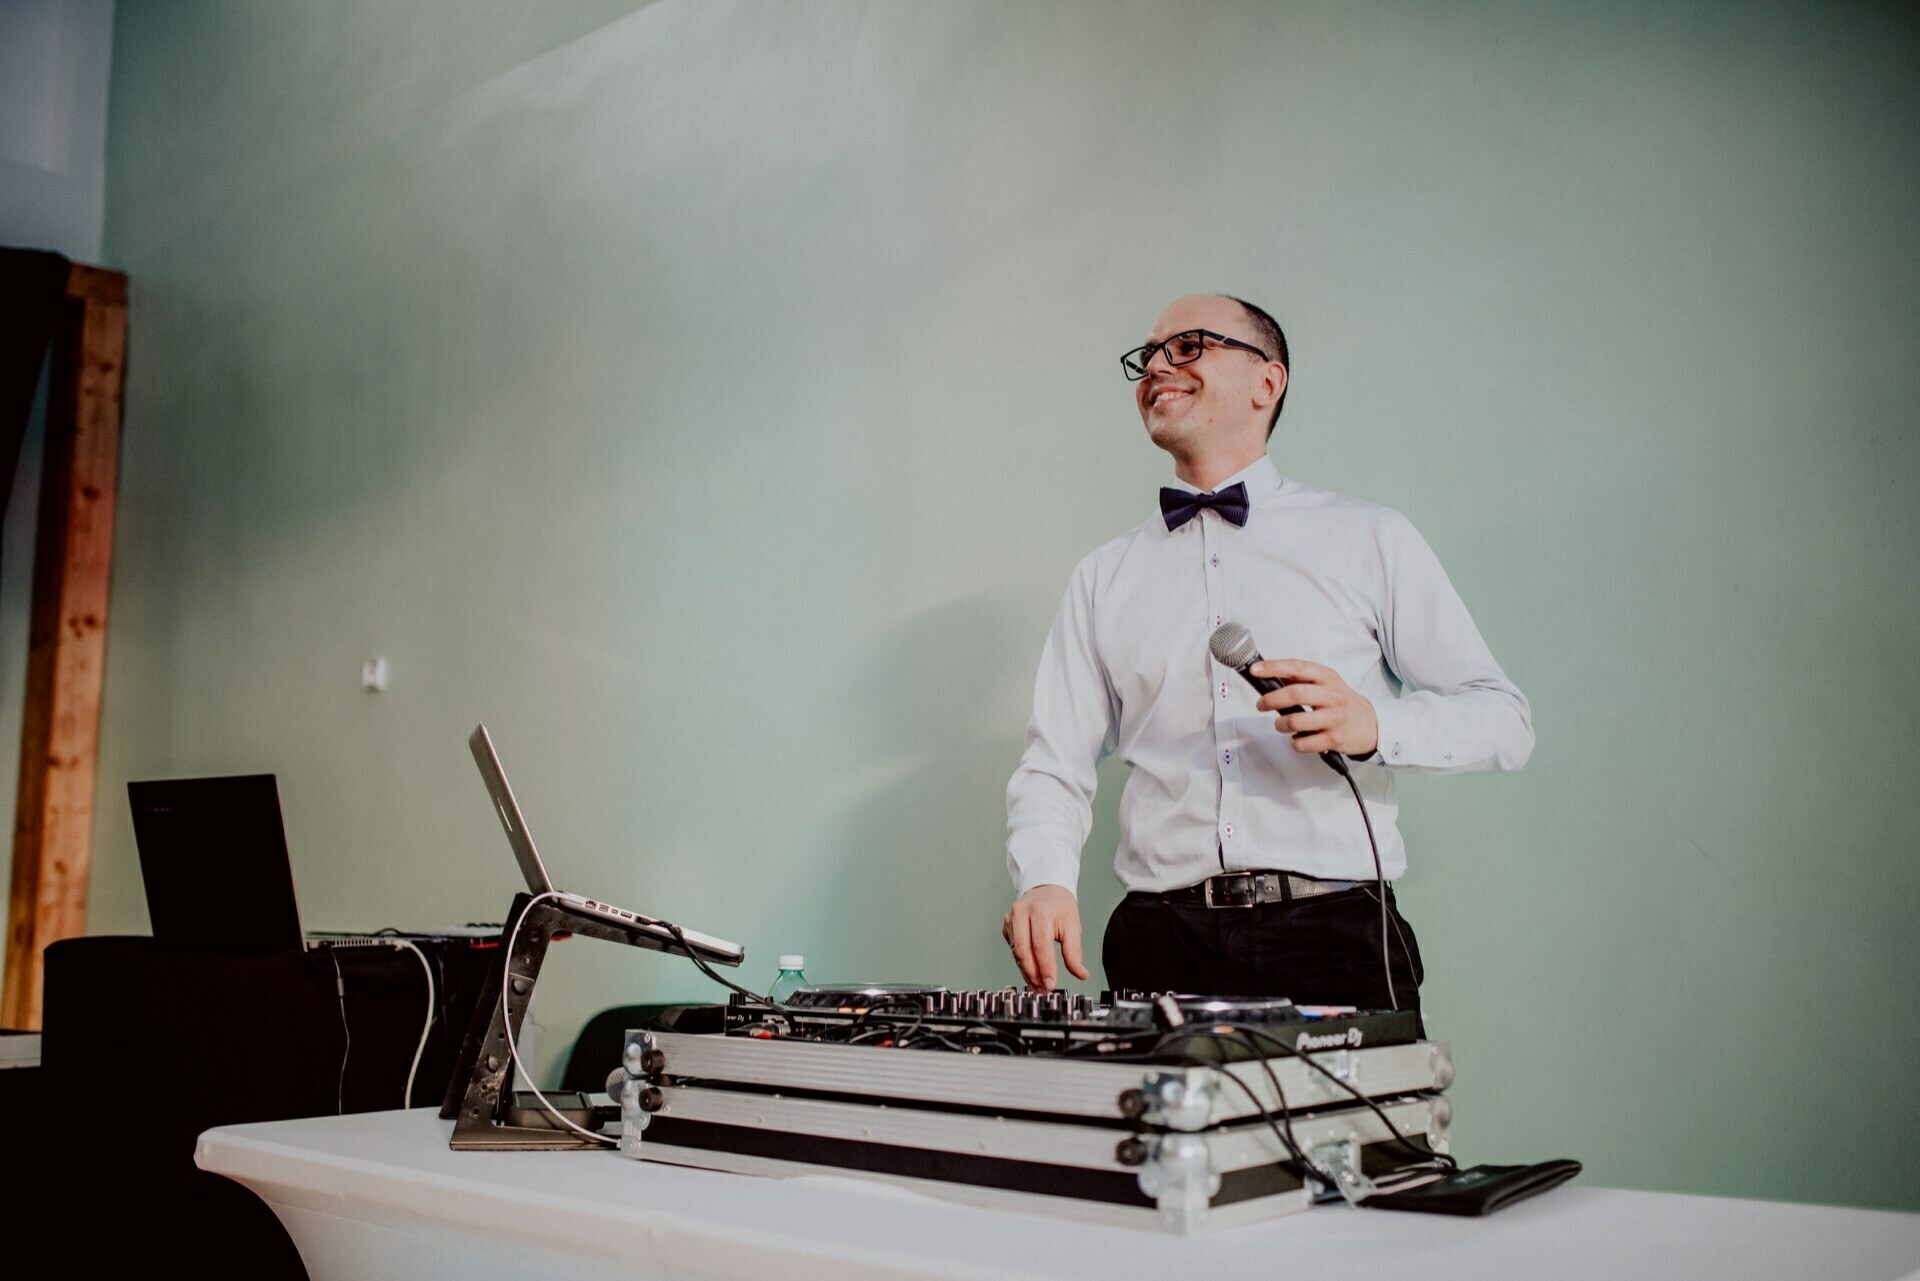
(1233, 646)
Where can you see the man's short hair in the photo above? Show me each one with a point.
(1268, 338)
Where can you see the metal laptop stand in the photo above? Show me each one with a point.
(480, 1092)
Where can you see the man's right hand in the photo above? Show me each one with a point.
(1044, 915)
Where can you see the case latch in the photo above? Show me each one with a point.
(1179, 1176)
(1341, 1163)
(1179, 1100)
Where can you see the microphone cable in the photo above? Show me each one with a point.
(1231, 645)
(1380, 878)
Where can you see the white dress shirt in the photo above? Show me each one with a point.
(1214, 785)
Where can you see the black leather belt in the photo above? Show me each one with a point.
(1250, 889)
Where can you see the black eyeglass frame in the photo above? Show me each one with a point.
(1146, 353)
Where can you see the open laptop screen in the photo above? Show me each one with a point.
(213, 855)
(507, 810)
(480, 743)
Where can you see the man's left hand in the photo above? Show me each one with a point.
(1335, 718)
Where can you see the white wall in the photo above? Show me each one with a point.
(54, 57)
(716, 399)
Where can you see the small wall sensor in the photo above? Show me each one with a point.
(373, 676)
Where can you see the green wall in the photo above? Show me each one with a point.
(714, 398)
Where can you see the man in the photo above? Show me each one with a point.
(1248, 866)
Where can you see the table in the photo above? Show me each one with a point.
(380, 1195)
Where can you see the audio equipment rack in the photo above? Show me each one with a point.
(1182, 1112)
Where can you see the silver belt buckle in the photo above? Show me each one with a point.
(1209, 892)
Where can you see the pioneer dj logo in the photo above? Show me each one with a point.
(1349, 1039)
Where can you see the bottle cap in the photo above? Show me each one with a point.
(793, 962)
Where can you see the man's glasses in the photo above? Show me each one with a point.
(1181, 349)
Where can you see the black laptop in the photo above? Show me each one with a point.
(214, 856)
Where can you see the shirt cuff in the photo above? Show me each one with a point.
(1393, 746)
(1036, 868)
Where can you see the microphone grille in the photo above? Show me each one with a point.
(1233, 646)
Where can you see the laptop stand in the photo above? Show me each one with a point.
(479, 1095)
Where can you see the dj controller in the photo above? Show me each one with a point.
(1011, 1021)
(1181, 1110)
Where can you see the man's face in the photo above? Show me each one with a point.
(1210, 401)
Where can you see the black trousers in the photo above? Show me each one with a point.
(1323, 950)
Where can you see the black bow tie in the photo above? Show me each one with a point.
(1179, 506)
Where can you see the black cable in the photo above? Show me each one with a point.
(1427, 1157)
(890, 1026)
(937, 1038)
(1011, 1042)
(440, 967)
(1283, 1132)
(1279, 1093)
(1257, 1035)
(985, 1036)
(1404, 949)
(346, 1052)
(884, 1002)
(1380, 876)
(679, 936)
(1266, 1066)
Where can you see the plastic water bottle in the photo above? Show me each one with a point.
(790, 979)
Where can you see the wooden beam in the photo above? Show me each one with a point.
(96, 284)
(67, 638)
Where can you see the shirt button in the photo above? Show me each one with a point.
(1229, 755)
(1229, 831)
(1214, 559)
(1447, 757)
(1216, 620)
(1223, 689)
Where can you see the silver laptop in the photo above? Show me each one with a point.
(539, 882)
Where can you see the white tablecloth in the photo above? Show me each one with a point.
(380, 1195)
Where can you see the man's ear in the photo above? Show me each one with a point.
(1272, 385)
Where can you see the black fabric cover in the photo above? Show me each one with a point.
(33, 287)
(145, 1046)
(230, 1038)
